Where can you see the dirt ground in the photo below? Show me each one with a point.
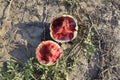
(25, 23)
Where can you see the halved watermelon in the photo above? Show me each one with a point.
(48, 52)
(64, 28)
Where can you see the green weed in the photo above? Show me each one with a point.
(33, 70)
(11, 72)
(88, 48)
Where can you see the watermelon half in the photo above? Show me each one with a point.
(64, 28)
(48, 52)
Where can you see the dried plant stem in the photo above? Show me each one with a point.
(7, 17)
(3, 32)
(118, 65)
(8, 11)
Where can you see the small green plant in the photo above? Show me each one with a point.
(88, 46)
(28, 70)
(11, 72)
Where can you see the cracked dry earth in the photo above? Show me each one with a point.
(29, 19)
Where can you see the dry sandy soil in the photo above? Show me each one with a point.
(22, 28)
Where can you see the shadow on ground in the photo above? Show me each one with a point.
(28, 36)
